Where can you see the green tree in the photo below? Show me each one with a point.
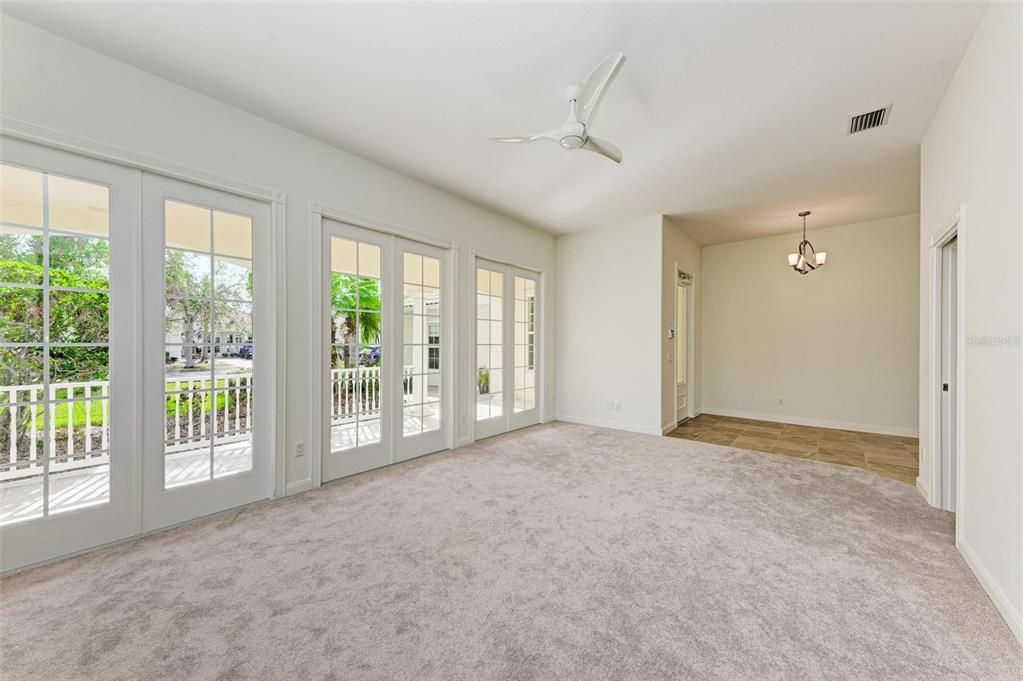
(355, 302)
(190, 313)
(76, 316)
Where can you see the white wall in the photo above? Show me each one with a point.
(609, 313)
(678, 248)
(839, 345)
(971, 156)
(51, 82)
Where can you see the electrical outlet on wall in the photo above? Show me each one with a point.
(299, 448)
(609, 405)
(781, 402)
(618, 406)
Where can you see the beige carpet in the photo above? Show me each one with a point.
(559, 552)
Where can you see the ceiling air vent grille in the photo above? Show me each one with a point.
(871, 119)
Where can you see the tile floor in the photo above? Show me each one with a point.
(888, 455)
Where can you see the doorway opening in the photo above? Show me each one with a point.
(947, 340)
(683, 347)
(947, 361)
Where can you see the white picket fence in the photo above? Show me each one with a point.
(354, 392)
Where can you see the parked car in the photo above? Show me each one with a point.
(370, 356)
(245, 352)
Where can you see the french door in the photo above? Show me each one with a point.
(387, 359)
(507, 350)
(208, 415)
(68, 353)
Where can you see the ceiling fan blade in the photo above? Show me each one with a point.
(604, 148)
(548, 135)
(596, 86)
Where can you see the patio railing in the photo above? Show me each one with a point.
(197, 408)
(358, 394)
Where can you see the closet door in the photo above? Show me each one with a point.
(68, 343)
(208, 417)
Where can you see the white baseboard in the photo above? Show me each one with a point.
(668, 427)
(615, 425)
(994, 592)
(817, 423)
(921, 487)
(298, 487)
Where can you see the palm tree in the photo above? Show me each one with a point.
(355, 301)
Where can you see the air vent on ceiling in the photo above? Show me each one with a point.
(871, 119)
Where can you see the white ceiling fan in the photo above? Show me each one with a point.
(583, 100)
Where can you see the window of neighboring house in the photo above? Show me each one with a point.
(433, 338)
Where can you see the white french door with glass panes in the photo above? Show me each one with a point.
(426, 349)
(386, 364)
(208, 426)
(507, 350)
(68, 353)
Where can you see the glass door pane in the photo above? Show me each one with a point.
(55, 394)
(421, 337)
(356, 348)
(525, 344)
(489, 344)
(209, 348)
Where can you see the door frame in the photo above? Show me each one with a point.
(476, 255)
(685, 280)
(316, 424)
(954, 228)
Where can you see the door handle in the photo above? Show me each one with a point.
(944, 387)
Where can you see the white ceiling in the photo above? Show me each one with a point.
(731, 117)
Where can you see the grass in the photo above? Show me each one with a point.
(59, 416)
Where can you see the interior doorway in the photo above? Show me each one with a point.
(683, 347)
(947, 347)
(948, 364)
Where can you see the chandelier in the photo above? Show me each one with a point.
(806, 260)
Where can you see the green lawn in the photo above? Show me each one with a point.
(60, 412)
